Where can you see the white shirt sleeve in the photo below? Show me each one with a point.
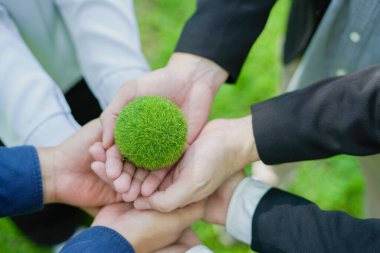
(242, 207)
(199, 249)
(33, 111)
(107, 43)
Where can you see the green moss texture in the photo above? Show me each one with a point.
(151, 132)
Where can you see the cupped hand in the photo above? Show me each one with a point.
(190, 82)
(150, 230)
(66, 172)
(223, 148)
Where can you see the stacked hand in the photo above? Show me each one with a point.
(189, 81)
(67, 177)
(148, 231)
(214, 154)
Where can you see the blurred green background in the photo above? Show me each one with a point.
(334, 183)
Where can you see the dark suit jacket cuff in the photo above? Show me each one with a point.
(224, 31)
(276, 205)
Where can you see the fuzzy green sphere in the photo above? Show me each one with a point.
(151, 132)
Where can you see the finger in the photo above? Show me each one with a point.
(114, 163)
(153, 181)
(135, 188)
(98, 152)
(189, 238)
(168, 181)
(108, 124)
(99, 168)
(175, 196)
(123, 182)
(186, 216)
(108, 118)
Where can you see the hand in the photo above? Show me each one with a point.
(223, 148)
(189, 81)
(216, 206)
(186, 241)
(67, 177)
(148, 231)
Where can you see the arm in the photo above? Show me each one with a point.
(119, 221)
(272, 220)
(224, 31)
(20, 169)
(107, 43)
(32, 108)
(335, 116)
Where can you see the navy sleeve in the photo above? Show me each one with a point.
(98, 239)
(20, 181)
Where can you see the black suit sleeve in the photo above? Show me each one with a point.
(224, 31)
(334, 116)
(284, 222)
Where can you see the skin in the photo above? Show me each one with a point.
(136, 226)
(67, 178)
(222, 149)
(189, 81)
(66, 173)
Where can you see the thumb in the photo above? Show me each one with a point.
(175, 196)
(108, 118)
(190, 214)
(108, 121)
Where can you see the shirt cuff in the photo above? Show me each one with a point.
(98, 239)
(53, 131)
(242, 207)
(110, 85)
(20, 180)
(199, 249)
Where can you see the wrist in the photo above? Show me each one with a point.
(198, 69)
(46, 157)
(243, 141)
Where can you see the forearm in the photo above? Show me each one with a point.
(20, 180)
(272, 220)
(288, 223)
(335, 116)
(108, 49)
(224, 31)
(33, 110)
(98, 239)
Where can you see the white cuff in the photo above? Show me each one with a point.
(199, 249)
(242, 207)
(53, 131)
(109, 86)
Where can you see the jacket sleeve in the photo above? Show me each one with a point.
(20, 181)
(98, 240)
(33, 110)
(284, 222)
(108, 49)
(335, 116)
(224, 31)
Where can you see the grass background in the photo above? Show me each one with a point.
(334, 183)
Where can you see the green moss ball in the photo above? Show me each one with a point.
(151, 132)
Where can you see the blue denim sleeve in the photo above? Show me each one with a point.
(98, 240)
(20, 181)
